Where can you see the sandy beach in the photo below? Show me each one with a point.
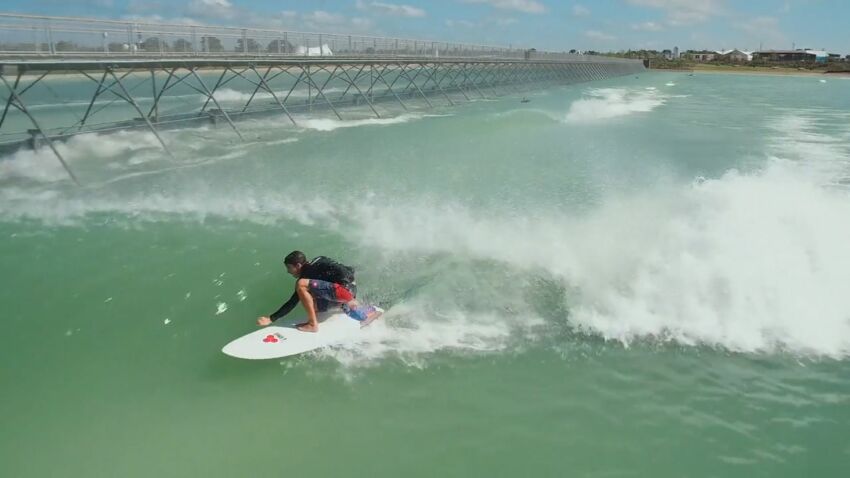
(748, 70)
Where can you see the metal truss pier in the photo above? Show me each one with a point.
(53, 96)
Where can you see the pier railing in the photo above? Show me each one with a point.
(23, 36)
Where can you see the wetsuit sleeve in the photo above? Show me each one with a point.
(285, 308)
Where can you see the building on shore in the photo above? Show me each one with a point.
(701, 55)
(792, 56)
(735, 55)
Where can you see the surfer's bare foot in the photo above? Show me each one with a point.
(264, 321)
(373, 314)
(307, 327)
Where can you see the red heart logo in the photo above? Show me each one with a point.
(270, 339)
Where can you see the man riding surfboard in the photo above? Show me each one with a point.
(320, 283)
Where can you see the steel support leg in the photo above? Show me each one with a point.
(404, 72)
(9, 99)
(321, 93)
(210, 96)
(390, 88)
(158, 95)
(19, 104)
(361, 94)
(135, 105)
(266, 86)
(436, 67)
(297, 80)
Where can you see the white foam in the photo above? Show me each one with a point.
(125, 154)
(799, 137)
(606, 103)
(328, 124)
(42, 165)
(226, 95)
(196, 201)
(748, 262)
(412, 330)
(192, 163)
(229, 95)
(280, 141)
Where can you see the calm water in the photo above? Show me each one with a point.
(636, 277)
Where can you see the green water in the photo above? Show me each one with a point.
(635, 277)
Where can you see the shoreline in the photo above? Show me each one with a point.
(784, 73)
(755, 71)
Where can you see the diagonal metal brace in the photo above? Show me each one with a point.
(19, 104)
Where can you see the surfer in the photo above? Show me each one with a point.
(320, 282)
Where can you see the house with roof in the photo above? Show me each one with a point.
(792, 56)
(702, 55)
(735, 55)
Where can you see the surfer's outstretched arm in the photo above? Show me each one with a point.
(283, 310)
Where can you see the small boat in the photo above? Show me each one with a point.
(525, 100)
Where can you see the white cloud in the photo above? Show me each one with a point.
(759, 25)
(648, 27)
(391, 9)
(133, 17)
(649, 45)
(362, 24)
(212, 9)
(598, 35)
(333, 22)
(460, 23)
(684, 12)
(525, 6)
(140, 7)
(763, 29)
(484, 23)
(224, 12)
(323, 17)
(580, 11)
(503, 22)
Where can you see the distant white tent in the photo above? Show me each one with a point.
(314, 51)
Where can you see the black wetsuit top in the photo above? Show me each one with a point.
(320, 268)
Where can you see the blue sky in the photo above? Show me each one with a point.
(545, 24)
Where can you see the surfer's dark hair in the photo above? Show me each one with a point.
(294, 258)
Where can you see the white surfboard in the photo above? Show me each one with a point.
(277, 341)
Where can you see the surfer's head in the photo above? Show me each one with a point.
(294, 261)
